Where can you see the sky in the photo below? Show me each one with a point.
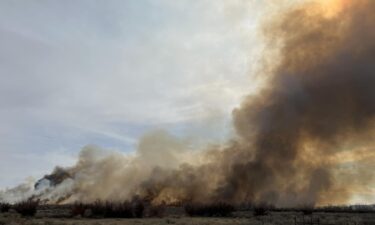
(82, 72)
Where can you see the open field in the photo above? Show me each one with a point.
(238, 218)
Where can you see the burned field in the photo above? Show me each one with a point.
(30, 213)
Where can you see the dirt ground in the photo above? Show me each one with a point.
(239, 218)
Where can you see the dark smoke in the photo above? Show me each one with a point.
(319, 96)
(297, 139)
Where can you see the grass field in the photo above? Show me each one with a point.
(238, 218)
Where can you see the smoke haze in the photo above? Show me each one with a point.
(298, 141)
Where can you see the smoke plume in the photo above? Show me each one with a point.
(298, 141)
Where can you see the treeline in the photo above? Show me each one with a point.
(331, 209)
(124, 209)
(140, 209)
(25, 208)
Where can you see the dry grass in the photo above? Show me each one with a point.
(273, 218)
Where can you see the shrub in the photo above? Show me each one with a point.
(212, 209)
(26, 208)
(156, 211)
(261, 210)
(307, 210)
(118, 210)
(108, 209)
(101, 209)
(4, 207)
(78, 209)
(138, 209)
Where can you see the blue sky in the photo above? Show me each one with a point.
(105, 72)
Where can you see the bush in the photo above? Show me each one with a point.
(4, 207)
(26, 208)
(138, 209)
(307, 210)
(212, 209)
(348, 209)
(78, 209)
(156, 211)
(110, 209)
(261, 210)
(117, 210)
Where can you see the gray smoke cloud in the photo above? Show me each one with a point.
(297, 138)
